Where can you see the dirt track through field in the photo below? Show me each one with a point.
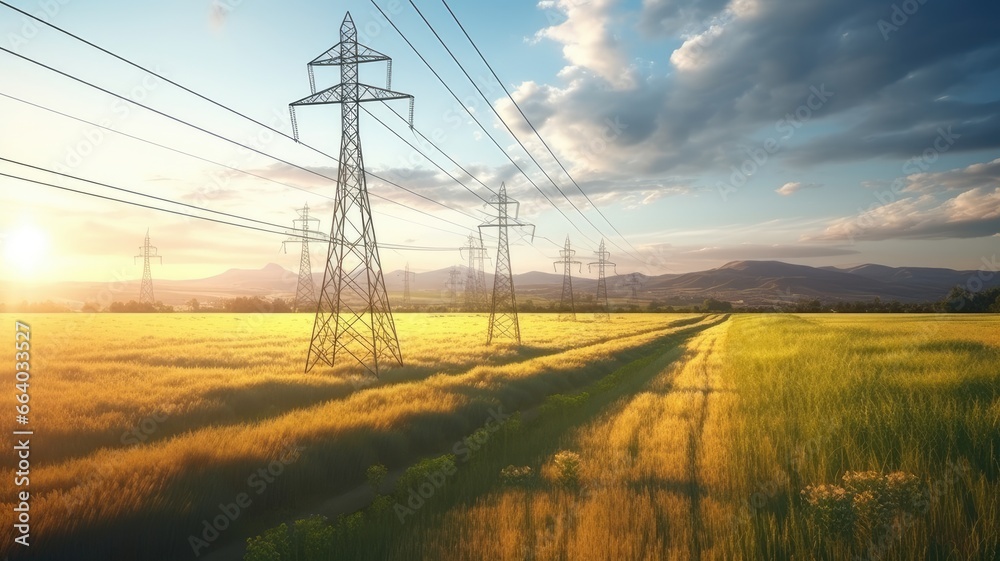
(360, 496)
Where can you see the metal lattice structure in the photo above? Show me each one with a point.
(503, 304)
(353, 316)
(603, 312)
(476, 298)
(567, 306)
(633, 283)
(453, 284)
(147, 252)
(305, 289)
(407, 275)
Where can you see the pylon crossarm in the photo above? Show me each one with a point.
(332, 57)
(342, 92)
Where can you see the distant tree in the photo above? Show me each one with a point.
(131, 307)
(90, 308)
(961, 299)
(280, 306)
(713, 305)
(808, 306)
(194, 305)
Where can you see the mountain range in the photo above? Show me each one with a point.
(741, 282)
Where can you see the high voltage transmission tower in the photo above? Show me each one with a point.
(147, 252)
(503, 304)
(353, 315)
(633, 283)
(476, 298)
(453, 284)
(567, 308)
(407, 275)
(603, 310)
(305, 290)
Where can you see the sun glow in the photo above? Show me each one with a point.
(25, 248)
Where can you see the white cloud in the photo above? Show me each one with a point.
(971, 214)
(741, 66)
(588, 41)
(972, 177)
(795, 186)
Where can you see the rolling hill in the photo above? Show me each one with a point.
(747, 282)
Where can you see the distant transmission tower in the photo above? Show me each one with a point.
(407, 275)
(603, 309)
(503, 304)
(305, 290)
(633, 283)
(147, 252)
(353, 314)
(567, 308)
(476, 298)
(453, 284)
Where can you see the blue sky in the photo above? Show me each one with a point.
(834, 132)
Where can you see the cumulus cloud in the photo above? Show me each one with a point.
(793, 187)
(743, 65)
(958, 203)
(587, 39)
(974, 176)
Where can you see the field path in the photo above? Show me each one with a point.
(698, 377)
(360, 496)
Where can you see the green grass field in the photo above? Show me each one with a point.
(772, 437)
(657, 436)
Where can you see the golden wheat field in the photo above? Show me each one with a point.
(146, 423)
(654, 436)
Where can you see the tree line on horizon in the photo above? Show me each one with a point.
(958, 300)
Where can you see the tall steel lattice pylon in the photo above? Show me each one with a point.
(567, 307)
(147, 252)
(603, 312)
(453, 284)
(305, 289)
(353, 316)
(633, 283)
(503, 304)
(407, 275)
(476, 298)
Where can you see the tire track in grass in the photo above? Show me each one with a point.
(208, 464)
(361, 496)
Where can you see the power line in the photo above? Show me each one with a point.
(158, 145)
(530, 124)
(209, 100)
(131, 192)
(452, 160)
(259, 123)
(443, 153)
(504, 123)
(400, 247)
(483, 128)
(286, 162)
(426, 157)
(248, 173)
(219, 136)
